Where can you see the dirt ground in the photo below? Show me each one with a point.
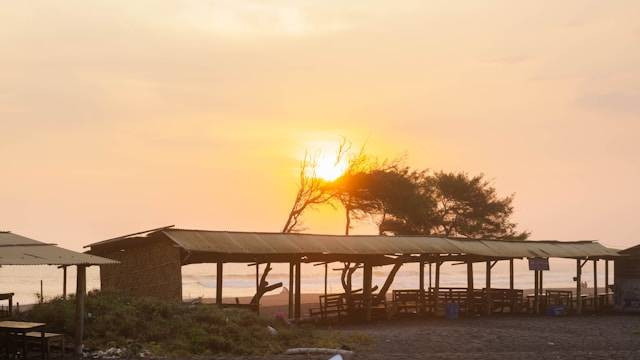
(508, 337)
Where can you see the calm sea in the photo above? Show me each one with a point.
(239, 279)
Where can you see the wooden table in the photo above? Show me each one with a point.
(20, 328)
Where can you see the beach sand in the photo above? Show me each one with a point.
(498, 337)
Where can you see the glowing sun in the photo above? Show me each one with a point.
(328, 169)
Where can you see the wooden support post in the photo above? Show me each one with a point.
(64, 282)
(366, 289)
(488, 304)
(219, 283)
(81, 290)
(511, 274)
(292, 289)
(430, 277)
(536, 299)
(540, 291)
(578, 287)
(606, 282)
(436, 293)
(469, 286)
(595, 284)
(421, 296)
(326, 275)
(298, 290)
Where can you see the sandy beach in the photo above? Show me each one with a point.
(499, 337)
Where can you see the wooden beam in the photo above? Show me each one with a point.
(219, 274)
(595, 284)
(298, 290)
(606, 282)
(421, 286)
(437, 289)
(64, 282)
(489, 303)
(292, 289)
(430, 277)
(536, 300)
(578, 286)
(81, 290)
(366, 289)
(511, 274)
(469, 286)
(326, 275)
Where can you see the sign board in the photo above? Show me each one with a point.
(540, 264)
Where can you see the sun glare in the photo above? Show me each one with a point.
(328, 169)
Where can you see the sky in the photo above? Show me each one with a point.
(119, 116)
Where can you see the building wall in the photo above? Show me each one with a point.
(627, 283)
(152, 269)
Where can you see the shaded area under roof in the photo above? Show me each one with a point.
(19, 250)
(252, 243)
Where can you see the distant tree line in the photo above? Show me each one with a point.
(406, 201)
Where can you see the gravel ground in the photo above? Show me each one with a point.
(513, 338)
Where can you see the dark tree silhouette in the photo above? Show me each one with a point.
(469, 206)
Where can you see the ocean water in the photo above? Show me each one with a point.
(239, 279)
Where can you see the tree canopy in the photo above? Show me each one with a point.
(404, 201)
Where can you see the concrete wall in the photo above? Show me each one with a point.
(152, 269)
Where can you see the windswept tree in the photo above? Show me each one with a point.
(312, 191)
(469, 206)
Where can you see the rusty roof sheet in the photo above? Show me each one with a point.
(19, 250)
(226, 242)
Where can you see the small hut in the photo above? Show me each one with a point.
(20, 250)
(627, 280)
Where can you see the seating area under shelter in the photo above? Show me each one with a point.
(151, 261)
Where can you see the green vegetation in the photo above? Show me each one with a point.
(166, 328)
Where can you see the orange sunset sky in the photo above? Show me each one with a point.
(117, 116)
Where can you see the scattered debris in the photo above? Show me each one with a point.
(272, 330)
(344, 354)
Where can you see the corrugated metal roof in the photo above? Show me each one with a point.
(19, 250)
(225, 242)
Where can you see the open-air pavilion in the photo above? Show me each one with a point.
(151, 261)
(20, 250)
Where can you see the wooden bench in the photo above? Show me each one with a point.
(560, 297)
(411, 301)
(8, 311)
(37, 338)
(331, 305)
(502, 299)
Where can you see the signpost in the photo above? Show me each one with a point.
(538, 265)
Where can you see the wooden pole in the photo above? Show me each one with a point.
(595, 284)
(219, 283)
(606, 282)
(292, 289)
(488, 288)
(540, 291)
(436, 293)
(536, 300)
(326, 274)
(430, 285)
(578, 287)
(64, 282)
(81, 290)
(469, 286)
(366, 289)
(511, 274)
(298, 290)
(41, 293)
(421, 296)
